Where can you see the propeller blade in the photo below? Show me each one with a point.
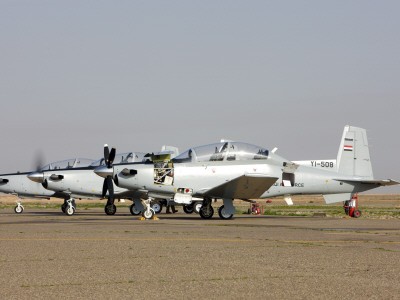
(111, 157)
(106, 153)
(110, 186)
(39, 160)
(105, 186)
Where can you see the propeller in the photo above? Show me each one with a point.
(37, 175)
(38, 160)
(109, 156)
(108, 182)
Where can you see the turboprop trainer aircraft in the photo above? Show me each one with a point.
(18, 184)
(235, 170)
(83, 183)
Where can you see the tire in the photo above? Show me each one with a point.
(157, 207)
(134, 211)
(63, 208)
(18, 209)
(148, 214)
(223, 215)
(110, 209)
(357, 213)
(189, 209)
(206, 212)
(69, 210)
(197, 206)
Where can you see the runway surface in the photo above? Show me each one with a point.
(47, 255)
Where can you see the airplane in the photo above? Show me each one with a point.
(83, 183)
(235, 170)
(19, 185)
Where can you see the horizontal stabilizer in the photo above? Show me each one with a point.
(249, 186)
(384, 182)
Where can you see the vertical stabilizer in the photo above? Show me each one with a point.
(353, 157)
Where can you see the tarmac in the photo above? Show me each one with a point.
(45, 254)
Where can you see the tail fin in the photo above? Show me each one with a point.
(353, 157)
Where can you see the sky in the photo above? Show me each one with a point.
(141, 74)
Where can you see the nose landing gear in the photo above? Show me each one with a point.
(19, 208)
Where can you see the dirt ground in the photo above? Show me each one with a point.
(46, 254)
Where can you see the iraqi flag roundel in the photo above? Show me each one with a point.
(348, 148)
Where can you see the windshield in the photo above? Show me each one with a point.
(121, 158)
(222, 152)
(68, 164)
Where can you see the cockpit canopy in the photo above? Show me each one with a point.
(224, 151)
(122, 158)
(67, 164)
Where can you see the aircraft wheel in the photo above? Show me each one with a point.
(357, 213)
(63, 207)
(69, 210)
(157, 207)
(197, 206)
(148, 214)
(18, 209)
(223, 214)
(189, 209)
(110, 209)
(134, 211)
(206, 212)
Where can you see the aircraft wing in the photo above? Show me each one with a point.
(384, 182)
(248, 186)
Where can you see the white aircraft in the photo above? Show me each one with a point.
(83, 183)
(234, 170)
(19, 185)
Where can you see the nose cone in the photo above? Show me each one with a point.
(103, 171)
(36, 177)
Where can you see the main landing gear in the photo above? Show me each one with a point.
(225, 212)
(206, 210)
(193, 208)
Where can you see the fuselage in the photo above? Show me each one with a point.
(199, 177)
(19, 184)
(81, 182)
